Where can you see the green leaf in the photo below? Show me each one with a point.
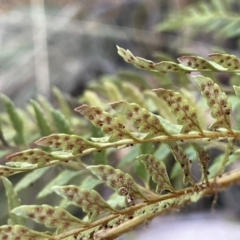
(228, 61)
(198, 63)
(141, 118)
(112, 91)
(109, 125)
(161, 108)
(157, 171)
(61, 122)
(64, 106)
(121, 182)
(34, 156)
(171, 128)
(141, 172)
(217, 101)
(18, 232)
(7, 171)
(164, 66)
(43, 125)
(51, 217)
(89, 200)
(186, 114)
(63, 178)
(162, 152)
(100, 157)
(204, 160)
(66, 142)
(15, 119)
(132, 94)
(92, 99)
(133, 78)
(90, 182)
(13, 202)
(185, 163)
(130, 156)
(116, 201)
(30, 178)
(139, 168)
(21, 165)
(237, 90)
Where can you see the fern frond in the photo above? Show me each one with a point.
(126, 124)
(213, 15)
(219, 63)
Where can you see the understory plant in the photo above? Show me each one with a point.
(147, 127)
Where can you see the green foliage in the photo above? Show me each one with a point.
(15, 119)
(147, 127)
(218, 16)
(219, 63)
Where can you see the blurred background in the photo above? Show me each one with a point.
(71, 45)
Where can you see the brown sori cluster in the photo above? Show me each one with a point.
(51, 217)
(228, 61)
(141, 118)
(157, 171)
(186, 115)
(217, 101)
(109, 125)
(184, 161)
(72, 143)
(34, 156)
(6, 171)
(116, 179)
(88, 200)
(164, 66)
(187, 63)
(195, 62)
(18, 232)
(137, 61)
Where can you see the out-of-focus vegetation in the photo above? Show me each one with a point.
(72, 45)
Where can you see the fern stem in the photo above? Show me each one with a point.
(220, 183)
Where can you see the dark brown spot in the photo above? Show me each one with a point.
(50, 212)
(31, 153)
(42, 218)
(31, 215)
(66, 138)
(136, 109)
(98, 112)
(90, 117)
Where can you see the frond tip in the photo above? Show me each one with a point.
(187, 64)
(158, 171)
(141, 118)
(51, 217)
(121, 182)
(217, 101)
(89, 200)
(186, 114)
(109, 125)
